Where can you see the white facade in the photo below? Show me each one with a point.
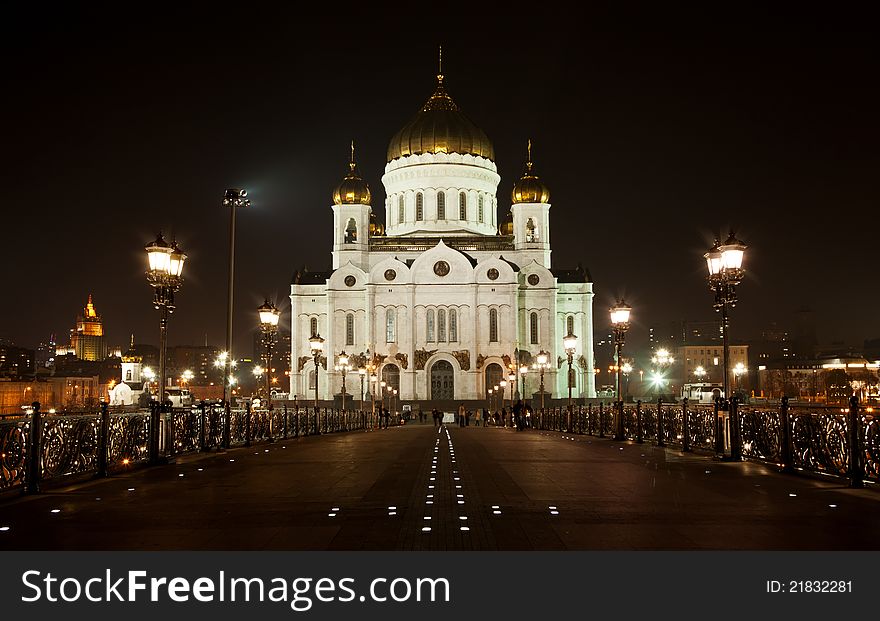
(442, 302)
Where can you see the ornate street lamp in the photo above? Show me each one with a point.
(542, 364)
(343, 367)
(627, 369)
(725, 265)
(511, 381)
(503, 386)
(165, 276)
(491, 409)
(233, 198)
(619, 324)
(362, 372)
(522, 375)
(738, 371)
(374, 379)
(316, 344)
(269, 316)
(569, 343)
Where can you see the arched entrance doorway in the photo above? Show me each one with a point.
(494, 375)
(391, 376)
(442, 381)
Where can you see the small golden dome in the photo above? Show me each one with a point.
(507, 224)
(377, 229)
(353, 190)
(529, 188)
(440, 127)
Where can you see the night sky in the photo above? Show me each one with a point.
(652, 132)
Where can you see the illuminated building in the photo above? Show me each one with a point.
(87, 339)
(444, 297)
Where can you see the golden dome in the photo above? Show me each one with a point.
(353, 190)
(377, 229)
(529, 188)
(507, 224)
(440, 127)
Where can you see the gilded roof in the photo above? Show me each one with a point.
(440, 127)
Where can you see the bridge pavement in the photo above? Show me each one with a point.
(416, 488)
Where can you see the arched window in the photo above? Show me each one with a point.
(569, 324)
(128, 375)
(462, 206)
(441, 205)
(390, 320)
(533, 328)
(313, 326)
(441, 325)
(312, 379)
(420, 207)
(351, 232)
(400, 212)
(453, 325)
(391, 376)
(429, 326)
(480, 209)
(531, 231)
(493, 325)
(349, 329)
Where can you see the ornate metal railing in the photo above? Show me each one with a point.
(103, 442)
(811, 439)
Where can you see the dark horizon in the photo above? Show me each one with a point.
(650, 139)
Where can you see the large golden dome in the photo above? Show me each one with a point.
(353, 190)
(529, 188)
(440, 127)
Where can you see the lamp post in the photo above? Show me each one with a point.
(503, 386)
(342, 367)
(627, 369)
(316, 343)
(233, 198)
(165, 276)
(569, 343)
(511, 381)
(738, 371)
(394, 400)
(661, 360)
(374, 379)
(269, 316)
(382, 385)
(522, 375)
(542, 364)
(724, 263)
(491, 409)
(258, 373)
(362, 372)
(619, 324)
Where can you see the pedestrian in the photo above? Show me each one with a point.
(467, 419)
(461, 415)
(387, 416)
(477, 417)
(518, 415)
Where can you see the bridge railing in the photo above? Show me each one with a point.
(34, 448)
(836, 441)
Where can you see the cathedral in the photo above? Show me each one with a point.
(441, 302)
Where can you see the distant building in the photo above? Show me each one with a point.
(44, 356)
(15, 361)
(710, 356)
(87, 339)
(196, 358)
